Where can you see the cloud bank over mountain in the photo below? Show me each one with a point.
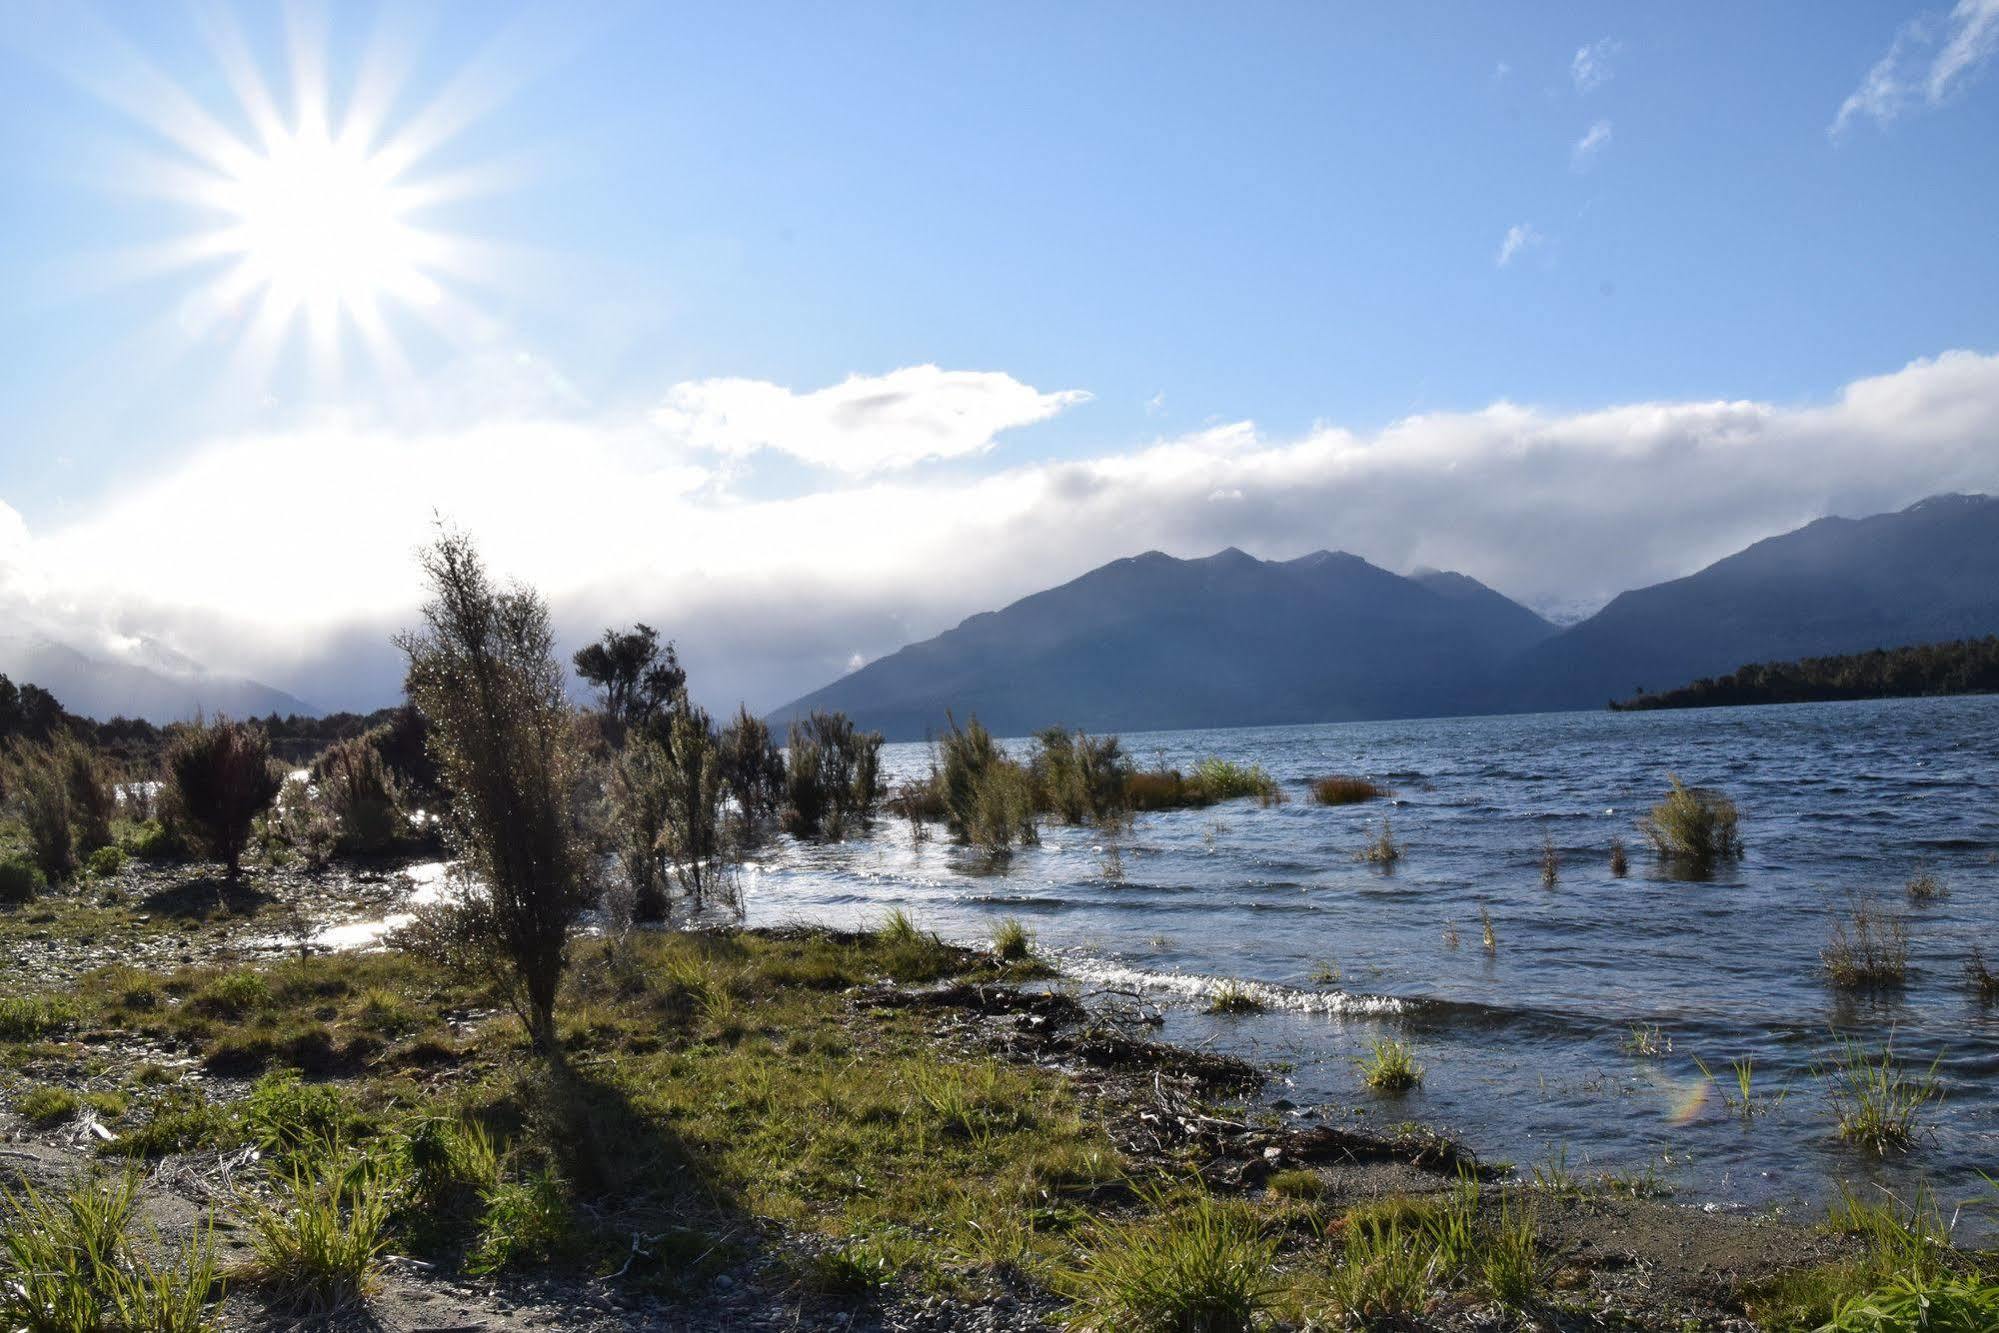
(299, 565)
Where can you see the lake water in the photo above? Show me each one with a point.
(1524, 1047)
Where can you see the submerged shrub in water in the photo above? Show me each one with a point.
(1082, 778)
(988, 797)
(1345, 789)
(1225, 780)
(1694, 827)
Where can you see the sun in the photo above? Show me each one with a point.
(315, 207)
(321, 226)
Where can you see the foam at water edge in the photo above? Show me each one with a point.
(1194, 987)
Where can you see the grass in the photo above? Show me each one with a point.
(1868, 948)
(1382, 849)
(1226, 780)
(1745, 1102)
(68, 1262)
(1451, 939)
(317, 1241)
(1693, 827)
(1551, 862)
(1925, 887)
(1233, 997)
(1620, 863)
(1488, 937)
(1398, 1256)
(1346, 789)
(1012, 941)
(1195, 1268)
(23, 1017)
(1326, 973)
(45, 1106)
(1982, 980)
(1877, 1102)
(1390, 1066)
(1647, 1041)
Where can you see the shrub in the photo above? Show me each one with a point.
(1693, 827)
(360, 793)
(1876, 1100)
(1225, 780)
(832, 777)
(640, 793)
(485, 675)
(92, 791)
(1081, 778)
(1551, 861)
(752, 770)
(1868, 947)
(286, 1115)
(526, 1222)
(1345, 789)
(20, 880)
(1984, 982)
(1200, 1267)
(1164, 789)
(316, 1244)
(988, 798)
(219, 778)
(106, 862)
(694, 797)
(37, 790)
(1390, 1066)
(1619, 863)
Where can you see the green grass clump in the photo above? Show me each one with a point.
(526, 1223)
(1390, 1066)
(45, 1106)
(1226, 780)
(1398, 1255)
(1693, 827)
(1346, 789)
(1012, 941)
(106, 862)
(1196, 1267)
(1297, 1183)
(234, 994)
(1877, 1101)
(25, 1017)
(1868, 948)
(1232, 997)
(285, 1115)
(317, 1240)
(1904, 1275)
(67, 1262)
(898, 929)
(851, 1270)
(180, 1121)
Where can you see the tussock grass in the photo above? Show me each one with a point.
(1399, 1255)
(1013, 942)
(1693, 827)
(45, 1106)
(1878, 1101)
(1382, 849)
(1232, 997)
(1868, 947)
(1982, 980)
(1226, 780)
(1488, 937)
(1346, 789)
(23, 1017)
(1925, 887)
(68, 1262)
(1647, 1041)
(317, 1240)
(1620, 863)
(1390, 1066)
(1199, 1266)
(1551, 861)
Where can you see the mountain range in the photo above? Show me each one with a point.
(1153, 642)
(151, 682)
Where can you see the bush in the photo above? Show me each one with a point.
(92, 791)
(360, 794)
(219, 778)
(1693, 827)
(526, 1222)
(1200, 1267)
(37, 789)
(988, 798)
(752, 770)
(1081, 777)
(20, 880)
(106, 862)
(640, 794)
(485, 675)
(1012, 941)
(694, 805)
(1164, 789)
(1345, 789)
(833, 782)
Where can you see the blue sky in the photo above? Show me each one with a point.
(1153, 223)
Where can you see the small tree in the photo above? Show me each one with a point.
(219, 778)
(637, 678)
(360, 793)
(641, 793)
(832, 776)
(484, 673)
(694, 808)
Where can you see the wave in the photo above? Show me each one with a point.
(1194, 987)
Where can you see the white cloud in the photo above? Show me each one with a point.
(1519, 237)
(863, 424)
(288, 557)
(1931, 57)
(1590, 146)
(1591, 68)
